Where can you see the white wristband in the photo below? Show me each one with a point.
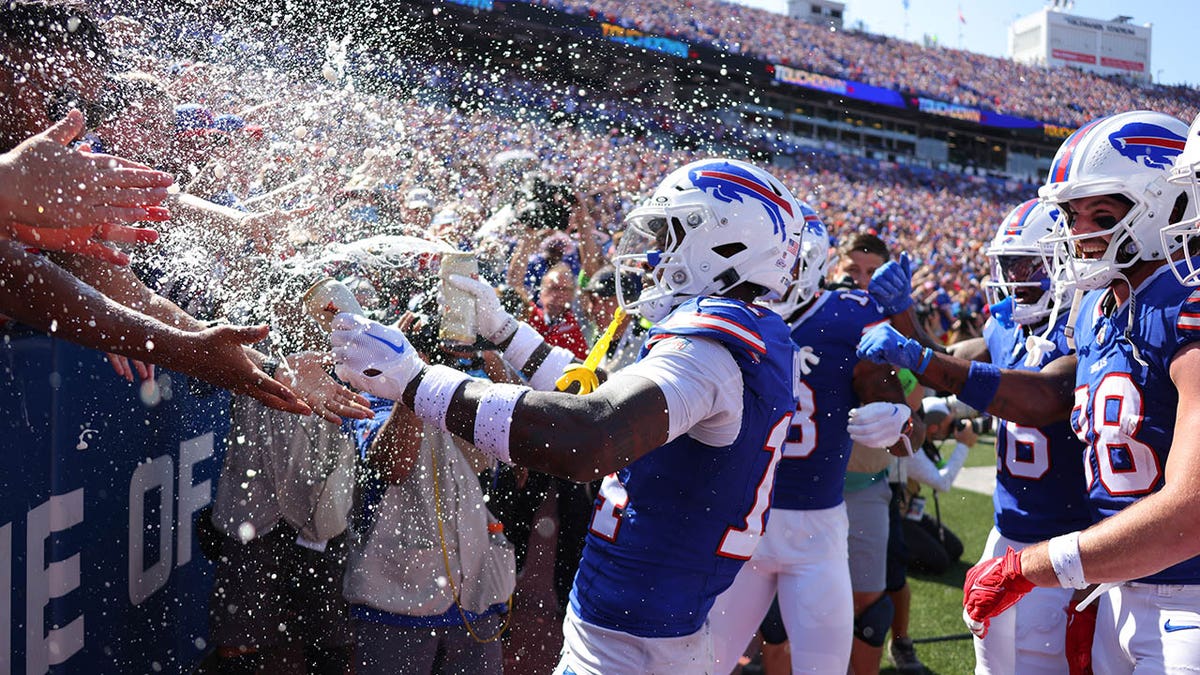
(493, 419)
(545, 378)
(1065, 559)
(524, 341)
(436, 388)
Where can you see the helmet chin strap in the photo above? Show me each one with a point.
(1127, 334)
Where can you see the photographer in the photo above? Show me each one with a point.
(932, 547)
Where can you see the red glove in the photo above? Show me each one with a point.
(1081, 628)
(991, 587)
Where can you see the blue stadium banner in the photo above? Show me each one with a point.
(978, 116)
(833, 85)
(637, 38)
(486, 5)
(98, 501)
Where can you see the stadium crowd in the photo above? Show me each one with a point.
(1057, 96)
(286, 174)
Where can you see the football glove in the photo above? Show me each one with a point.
(991, 587)
(494, 324)
(884, 344)
(1081, 630)
(372, 357)
(879, 424)
(891, 286)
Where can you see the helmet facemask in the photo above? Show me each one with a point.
(1185, 234)
(811, 264)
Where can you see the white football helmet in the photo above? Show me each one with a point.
(1183, 234)
(810, 264)
(1128, 154)
(1019, 264)
(709, 226)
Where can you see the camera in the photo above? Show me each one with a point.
(544, 205)
(976, 425)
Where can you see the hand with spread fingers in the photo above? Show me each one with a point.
(220, 355)
(57, 198)
(305, 373)
(48, 184)
(125, 367)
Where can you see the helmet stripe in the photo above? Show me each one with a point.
(1062, 165)
(1157, 141)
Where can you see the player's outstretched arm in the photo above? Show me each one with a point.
(1159, 530)
(974, 349)
(1025, 397)
(581, 438)
(577, 437)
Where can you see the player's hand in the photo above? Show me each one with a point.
(879, 424)
(49, 185)
(884, 344)
(494, 324)
(304, 373)
(1081, 630)
(373, 357)
(806, 359)
(991, 587)
(891, 285)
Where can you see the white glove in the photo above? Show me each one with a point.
(1036, 348)
(372, 357)
(879, 424)
(494, 324)
(805, 359)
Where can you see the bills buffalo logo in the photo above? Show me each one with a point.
(1148, 144)
(730, 183)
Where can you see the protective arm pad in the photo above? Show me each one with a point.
(522, 347)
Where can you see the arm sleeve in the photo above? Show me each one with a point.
(702, 384)
(923, 470)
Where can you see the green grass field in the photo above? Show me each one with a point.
(937, 601)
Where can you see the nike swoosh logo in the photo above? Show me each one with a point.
(1173, 628)
(399, 349)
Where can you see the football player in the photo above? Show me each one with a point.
(1131, 393)
(686, 439)
(1040, 491)
(803, 554)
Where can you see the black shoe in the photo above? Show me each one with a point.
(904, 655)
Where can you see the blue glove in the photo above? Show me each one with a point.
(891, 286)
(884, 344)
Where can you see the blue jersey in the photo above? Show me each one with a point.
(671, 530)
(1124, 410)
(1040, 491)
(813, 469)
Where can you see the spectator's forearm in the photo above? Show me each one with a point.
(40, 294)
